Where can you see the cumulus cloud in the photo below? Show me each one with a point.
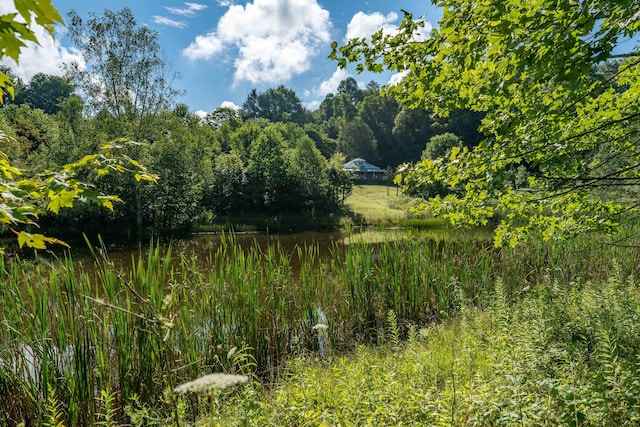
(200, 114)
(188, 11)
(203, 47)
(46, 58)
(274, 39)
(331, 84)
(229, 104)
(170, 22)
(397, 77)
(365, 24)
(328, 86)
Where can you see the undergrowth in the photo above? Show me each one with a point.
(560, 356)
(108, 345)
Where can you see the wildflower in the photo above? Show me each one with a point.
(211, 382)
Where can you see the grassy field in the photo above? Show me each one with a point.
(378, 203)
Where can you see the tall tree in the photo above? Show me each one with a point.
(357, 140)
(126, 78)
(279, 104)
(527, 65)
(269, 176)
(45, 92)
(379, 113)
(126, 74)
(349, 86)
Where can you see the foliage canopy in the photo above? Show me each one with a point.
(528, 66)
(24, 197)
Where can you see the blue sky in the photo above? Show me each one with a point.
(224, 48)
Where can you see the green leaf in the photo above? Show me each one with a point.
(37, 241)
(62, 199)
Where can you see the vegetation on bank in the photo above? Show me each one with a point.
(70, 334)
(561, 355)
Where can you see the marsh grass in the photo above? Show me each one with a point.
(70, 335)
(557, 356)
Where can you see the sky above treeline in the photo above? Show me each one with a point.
(224, 48)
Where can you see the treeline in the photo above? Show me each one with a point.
(272, 159)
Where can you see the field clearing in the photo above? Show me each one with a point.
(379, 203)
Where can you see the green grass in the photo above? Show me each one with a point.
(84, 344)
(375, 204)
(559, 356)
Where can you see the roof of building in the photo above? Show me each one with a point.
(361, 165)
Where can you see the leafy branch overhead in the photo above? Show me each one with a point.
(24, 198)
(530, 66)
(22, 201)
(15, 31)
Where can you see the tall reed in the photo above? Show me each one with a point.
(72, 335)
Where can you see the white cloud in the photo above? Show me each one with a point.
(188, 11)
(229, 104)
(331, 84)
(196, 7)
(275, 39)
(203, 47)
(170, 22)
(225, 3)
(200, 114)
(397, 77)
(365, 25)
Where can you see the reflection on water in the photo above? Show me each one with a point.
(201, 246)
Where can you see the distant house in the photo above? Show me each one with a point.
(361, 170)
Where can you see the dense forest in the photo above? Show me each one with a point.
(273, 158)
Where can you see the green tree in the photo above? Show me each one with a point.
(527, 65)
(32, 127)
(270, 181)
(126, 75)
(440, 146)
(379, 113)
(326, 145)
(23, 199)
(350, 87)
(310, 169)
(276, 105)
(466, 124)
(45, 92)
(227, 193)
(340, 180)
(357, 140)
(182, 166)
(412, 128)
(126, 81)
(222, 115)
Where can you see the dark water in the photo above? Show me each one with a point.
(200, 247)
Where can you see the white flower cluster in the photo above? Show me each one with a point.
(211, 382)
